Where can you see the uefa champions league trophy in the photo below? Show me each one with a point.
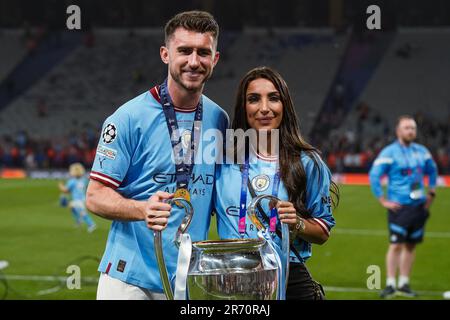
(284, 251)
(189, 211)
(231, 269)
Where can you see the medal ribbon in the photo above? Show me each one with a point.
(184, 166)
(415, 169)
(243, 202)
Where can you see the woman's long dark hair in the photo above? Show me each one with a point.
(292, 172)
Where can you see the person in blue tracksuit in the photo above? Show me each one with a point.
(405, 163)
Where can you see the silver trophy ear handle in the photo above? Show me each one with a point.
(162, 266)
(260, 226)
(187, 205)
(252, 209)
(189, 214)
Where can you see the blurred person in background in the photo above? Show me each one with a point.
(76, 188)
(405, 163)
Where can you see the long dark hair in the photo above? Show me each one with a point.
(292, 172)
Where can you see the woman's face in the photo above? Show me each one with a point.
(263, 105)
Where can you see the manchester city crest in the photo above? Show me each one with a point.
(260, 182)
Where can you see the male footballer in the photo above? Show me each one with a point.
(134, 172)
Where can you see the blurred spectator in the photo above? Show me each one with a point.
(26, 152)
(443, 159)
(353, 148)
(89, 39)
(41, 107)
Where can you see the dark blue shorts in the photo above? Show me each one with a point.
(407, 225)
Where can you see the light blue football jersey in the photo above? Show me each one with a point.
(77, 188)
(135, 157)
(261, 174)
(403, 166)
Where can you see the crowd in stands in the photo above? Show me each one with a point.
(349, 150)
(355, 147)
(23, 150)
(351, 147)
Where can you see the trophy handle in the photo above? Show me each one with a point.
(252, 210)
(181, 202)
(260, 226)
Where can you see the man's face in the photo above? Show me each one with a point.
(407, 130)
(191, 57)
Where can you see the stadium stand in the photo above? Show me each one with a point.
(56, 121)
(412, 79)
(14, 48)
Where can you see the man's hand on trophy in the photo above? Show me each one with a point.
(158, 211)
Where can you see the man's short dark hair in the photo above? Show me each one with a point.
(198, 21)
(403, 117)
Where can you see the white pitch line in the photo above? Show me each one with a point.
(95, 280)
(15, 277)
(363, 290)
(344, 289)
(384, 233)
(49, 291)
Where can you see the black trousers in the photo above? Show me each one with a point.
(301, 285)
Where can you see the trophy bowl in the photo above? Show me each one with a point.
(229, 269)
(235, 269)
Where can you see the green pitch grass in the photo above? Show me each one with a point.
(39, 240)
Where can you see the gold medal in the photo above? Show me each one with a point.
(182, 193)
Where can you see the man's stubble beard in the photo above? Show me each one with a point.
(177, 78)
(408, 140)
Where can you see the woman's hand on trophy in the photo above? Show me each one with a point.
(287, 212)
(157, 211)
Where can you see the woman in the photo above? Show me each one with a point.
(297, 176)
